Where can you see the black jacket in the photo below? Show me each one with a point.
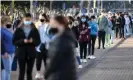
(26, 50)
(62, 59)
(75, 31)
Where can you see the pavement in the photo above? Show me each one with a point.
(114, 63)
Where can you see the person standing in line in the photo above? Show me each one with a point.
(118, 26)
(61, 64)
(8, 47)
(127, 23)
(74, 26)
(43, 47)
(122, 25)
(113, 19)
(93, 35)
(26, 38)
(84, 38)
(108, 33)
(102, 24)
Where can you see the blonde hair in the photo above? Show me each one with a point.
(5, 19)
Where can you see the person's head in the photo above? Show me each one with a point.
(59, 22)
(27, 19)
(93, 18)
(43, 18)
(5, 22)
(83, 19)
(103, 12)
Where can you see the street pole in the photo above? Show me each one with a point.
(101, 5)
(50, 6)
(88, 6)
(31, 6)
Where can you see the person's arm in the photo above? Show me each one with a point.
(36, 38)
(17, 41)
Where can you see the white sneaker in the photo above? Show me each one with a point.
(92, 57)
(88, 56)
(38, 76)
(80, 66)
(84, 60)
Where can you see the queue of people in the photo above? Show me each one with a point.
(59, 41)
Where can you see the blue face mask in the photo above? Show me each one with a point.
(27, 22)
(83, 19)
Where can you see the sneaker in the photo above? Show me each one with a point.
(92, 57)
(84, 60)
(37, 76)
(88, 57)
(80, 66)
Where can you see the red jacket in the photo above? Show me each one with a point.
(84, 34)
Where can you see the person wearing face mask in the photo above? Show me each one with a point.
(84, 38)
(25, 39)
(43, 47)
(61, 54)
(75, 29)
(7, 47)
(93, 35)
(102, 26)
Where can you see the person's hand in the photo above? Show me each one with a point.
(31, 40)
(25, 41)
(82, 32)
(6, 55)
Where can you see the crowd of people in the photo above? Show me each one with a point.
(59, 41)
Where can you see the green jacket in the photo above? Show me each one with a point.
(102, 23)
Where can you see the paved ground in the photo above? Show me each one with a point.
(115, 63)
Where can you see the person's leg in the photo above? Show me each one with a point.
(77, 55)
(45, 59)
(120, 32)
(117, 31)
(22, 65)
(93, 43)
(85, 49)
(38, 61)
(103, 38)
(99, 39)
(30, 64)
(81, 50)
(112, 36)
(8, 65)
(89, 48)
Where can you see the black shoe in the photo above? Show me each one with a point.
(103, 47)
(98, 48)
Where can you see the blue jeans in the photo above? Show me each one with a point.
(7, 62)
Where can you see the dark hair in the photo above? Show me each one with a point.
(46, 17)
(93, 17)
(71, 18)
(27, 15)
(61, 20)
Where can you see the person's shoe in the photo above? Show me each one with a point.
(93, 57)
(80, 66)
(88, 57)
(84, 60)
(103, 47)
(98, 48)
(37, 76)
